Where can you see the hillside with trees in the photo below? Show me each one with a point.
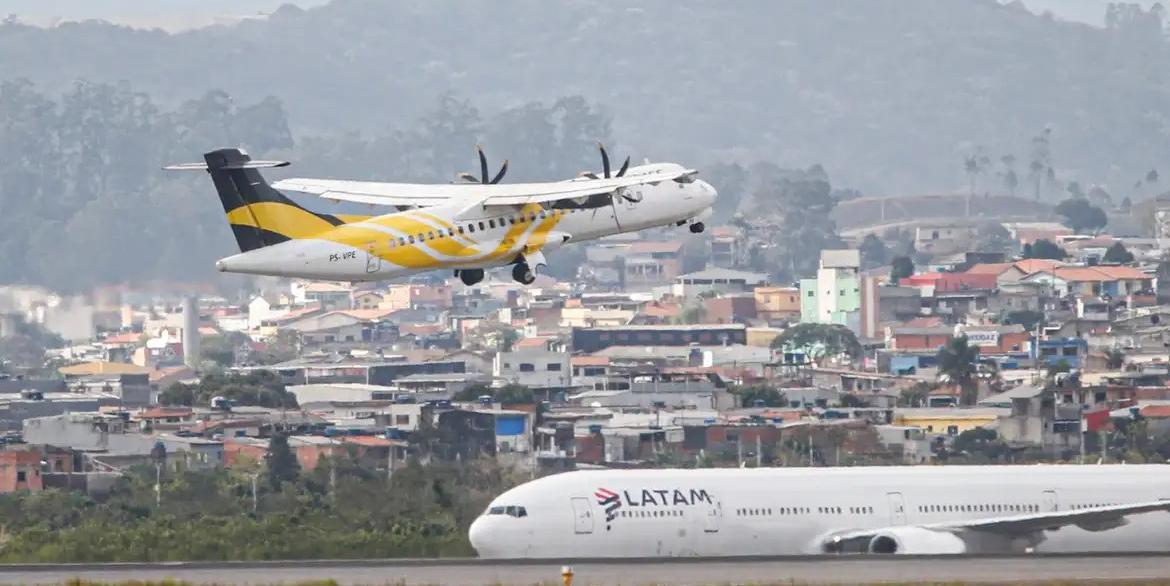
(894, 93)
(888, 96)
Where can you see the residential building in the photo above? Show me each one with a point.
(1096, 281)
(590, 340)
(648, 264)
(716, 281)
(730, 309)
(948, 421)
(20, 470)
(727, 247)
(536, 368)
(777, 304)
(840, 295)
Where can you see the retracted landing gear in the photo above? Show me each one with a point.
(469, 276)
(697, 227)
(524, 268)
(523, 274)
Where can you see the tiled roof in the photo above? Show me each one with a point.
(102, 367)
(161, 412)
(1035, 265)
(589, 361)
(989, 268)
(1098, 273)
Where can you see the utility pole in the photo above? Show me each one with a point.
(759, 452)
(255, 475)
(158, 485)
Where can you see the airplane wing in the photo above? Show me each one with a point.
(423, 195)
(931, 538)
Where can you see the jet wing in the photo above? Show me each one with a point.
(424, 195)
(1089, 519)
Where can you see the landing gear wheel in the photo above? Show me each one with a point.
(470, 276)
(523, 274)
(697, 227)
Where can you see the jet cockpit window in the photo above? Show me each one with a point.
(688, 178)
(510, 510)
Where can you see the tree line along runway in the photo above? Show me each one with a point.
(1098, 568)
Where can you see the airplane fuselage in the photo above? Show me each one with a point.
(408, 242)
(796, 511)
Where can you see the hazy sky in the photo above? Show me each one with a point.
(1088, 11)
(177, 14)
(169, 14)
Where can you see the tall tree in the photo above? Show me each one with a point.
(1044, 249)
(873, 251)
(1117, 253)
(820, 341)
(900, 268)
(958, 365)
(1080, 215)
(281, 465)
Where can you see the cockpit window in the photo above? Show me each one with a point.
(688, 178)
(511, 511)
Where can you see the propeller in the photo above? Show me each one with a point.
(605, 168)
(483, 170)
(605, 163)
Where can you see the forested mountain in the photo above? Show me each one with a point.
(888, 96)
(884, 93)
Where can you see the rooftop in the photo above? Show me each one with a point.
(102, 367)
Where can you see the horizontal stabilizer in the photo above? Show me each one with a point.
(228, 167)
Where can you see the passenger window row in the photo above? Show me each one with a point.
(1093, 506)
(651, 514)
(985, 508)
(804, 511)
(470, 227)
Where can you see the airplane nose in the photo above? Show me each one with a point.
(707, 192)
(476, 534)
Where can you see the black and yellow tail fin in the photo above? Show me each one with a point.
(258, 214)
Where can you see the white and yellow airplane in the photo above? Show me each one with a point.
(468, 226)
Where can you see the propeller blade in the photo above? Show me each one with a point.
(625, 166)
(604, 160)
(483, 170)
(500, 175)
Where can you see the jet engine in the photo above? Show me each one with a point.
(916, 541)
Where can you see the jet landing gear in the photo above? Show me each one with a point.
(523, 274)
(697, 227)
(469, 276)
(525, 267)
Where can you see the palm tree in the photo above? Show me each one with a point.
(957, 361)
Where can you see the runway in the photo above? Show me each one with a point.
(471, 572)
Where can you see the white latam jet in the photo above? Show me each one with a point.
(801, 511)
(466, 226)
